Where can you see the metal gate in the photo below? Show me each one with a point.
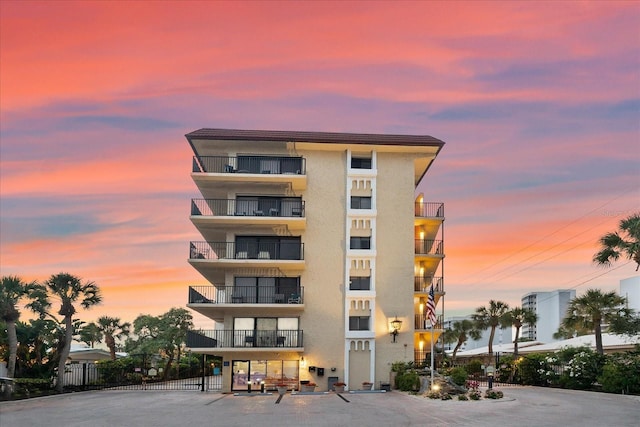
(143, 372)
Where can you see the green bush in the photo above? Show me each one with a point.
(493, 394)
(408, 381)
(582, 370)
(29, 387)
(458, 375)
(620, 374)
(474, 395)
(535, 369)
(462, 397)
(474, 367)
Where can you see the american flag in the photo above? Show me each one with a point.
(431, 307)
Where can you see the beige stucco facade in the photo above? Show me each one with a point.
(323, 311)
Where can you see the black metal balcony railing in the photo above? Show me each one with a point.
(257, 250)
(228, 338)
(250, 164)
(430, 210)
(245, 295)
(421, 321)
(282, 207)
(429, 247)
(422, 284)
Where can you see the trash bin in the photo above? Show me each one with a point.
(385, 386)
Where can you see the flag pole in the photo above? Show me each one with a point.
(432, 381)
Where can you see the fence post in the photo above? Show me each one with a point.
(202, 368)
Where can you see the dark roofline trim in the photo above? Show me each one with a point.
(319, 137)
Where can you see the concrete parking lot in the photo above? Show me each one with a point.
(521, 406)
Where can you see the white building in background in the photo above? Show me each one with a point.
(630, 289)
(502, 336)
(551, 308)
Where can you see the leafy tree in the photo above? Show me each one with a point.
(69, 290)
(517, 317)
(625, 242)
(628, 323)
(113, 328)
(163, 335)
(591, 310)
(491, 317)
(12, 291)
(462, 330)
(90, 334)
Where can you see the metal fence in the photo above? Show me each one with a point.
(142, 372)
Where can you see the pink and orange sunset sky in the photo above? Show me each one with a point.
(538, 103)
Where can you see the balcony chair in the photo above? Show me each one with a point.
(249, 339)
(280, 341)
(294, 299)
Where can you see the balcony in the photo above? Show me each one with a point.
(430, 210)
(212, 258)
(421, 322)
(421, 285)
(426, 247)
(232, 213)
(251, 169)
(245, 295)
(245, 340)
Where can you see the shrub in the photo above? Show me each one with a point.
(445, 396)
(408, 381)
(535, 369)
(29, 387)
(474, 367)
(474, 395)
(620, 374)
(493, 394)
(462, 397)
(433, 394)
(582, 371)
(458, 375)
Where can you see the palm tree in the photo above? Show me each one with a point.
(491, 317)
(113, 328)
(12, 291)
(517, 317)
(592, 309)
(69, 289)
(627, 243)
(462, 330)
(90, 334)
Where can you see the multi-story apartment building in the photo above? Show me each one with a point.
(318, 253)
(551, 307)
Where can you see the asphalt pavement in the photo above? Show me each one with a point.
(521, 406)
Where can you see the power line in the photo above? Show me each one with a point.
(545, 237)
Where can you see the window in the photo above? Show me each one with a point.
(268, 247)
(358, 323)
(359, 283)
(360, 162)
(360, 243)
(360, 202)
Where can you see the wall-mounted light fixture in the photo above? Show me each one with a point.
(395, 328)
(302, 362)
